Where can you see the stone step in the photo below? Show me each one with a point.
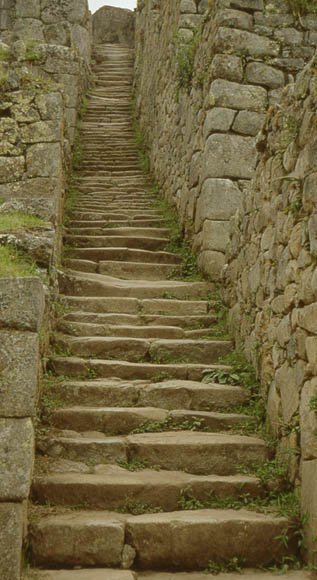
(122, 254)
(82, 367)
(121, 420)
(97, 285)
(176, 540)
(116, 241)
(171, 394)
(139, 271)
(113, 487)
(85, 574)
(203, 322)
(90, 329)
(146, 350)
(187, 309)
(194, 452)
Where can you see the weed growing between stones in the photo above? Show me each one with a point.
(137, 508)
(232, 565)
(13, 221)
(301, 7)
(186, 50)
(15, 263)
(194, 424)
(133, 464)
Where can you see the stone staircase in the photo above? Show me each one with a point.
(137, 432)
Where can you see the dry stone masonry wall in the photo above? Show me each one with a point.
(201, 102)
(44, 71)
(228, 110)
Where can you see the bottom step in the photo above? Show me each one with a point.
(108, 574)
(162, 541)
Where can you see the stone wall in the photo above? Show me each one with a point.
(114, 25)
(44, 72)
(200, 121)
(271, 278)
(233, 144)
(21, 317)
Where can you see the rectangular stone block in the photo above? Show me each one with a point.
(248, 42)
(19, 363)
(22, 303)
(42, 132)
(229, 156)
(309, 506)
(11, 169)
(16, 458)
(11, 526)
(44, 160)
(228, 94)
(219, 200)
(308, 420)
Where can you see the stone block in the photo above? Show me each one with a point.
(50, 106)
(11, 169)
(21, 303)
(37, 188)
(27, 28)
(225, 93)
(248, 122)
(289, 36)
(309, 505)
(261, 74)
(229, 156)
(19, 360)
(70, 83)
(58, 33)
(231, 39)
(234, 19)
(16, 458)
(311, 350)
(11, 527)
(44, 160)
(227, 66)
(42, 132)
(215, 235)
(286, 386)
(211, 263)
(307, 318)
(29, 9)
(312, 232)
(190, 21)
(245, 4)
(218, 120)
(187, 7)
(219, 200)
(81, 41)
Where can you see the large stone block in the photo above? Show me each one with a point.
(262, 74)
(229, 156)
(227, 66)
(21, 303)
(308, 420)
(211, 263)
(307, 318)
(219, 200)
(29, 28)
(234, 19)
(42, 132)
(50, 105)
(19, 360)
(44, 160)
(309, 505)
(215, 235)
(11, 526)
(39, 187)
(11, 169)
(29, 9)
(81, 41)
(232, 95)
(218, 119)
(233, 40)
(16, 458)
(248, 122)
(286, 386)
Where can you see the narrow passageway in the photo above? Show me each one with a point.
(138, 439)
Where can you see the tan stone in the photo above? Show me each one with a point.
(90, 574)
(309, 505)
(16, 458)
(21, 303)
(308, 420)
(11, 528)
(285, 383)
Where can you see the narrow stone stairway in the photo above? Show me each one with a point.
(137, 432)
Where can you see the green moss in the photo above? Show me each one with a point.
(14, 263)
(13, 221)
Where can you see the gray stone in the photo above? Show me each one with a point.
(187, 6)
(263, 74)
(29, 9)
(44, 160)
(58, 33)
(42, 132)
(11, 169)
(50, 106)
(211, 263)
(81, 41)
(229, 156)
(289, 35)
(312, 232)
(16, 458)
(219, 200)
(309, 505)
(71, 86)
(18, 373)
(189, 20)
(227, 66)
(21, 303)
(248, 122)
(244, 4)
(215, 235)
(39, 187)
(29, 28)
(233, 40)
(286, 386)
(218, 120)
(310, 193)
(11, 529)
(225, 93)
(234, 18)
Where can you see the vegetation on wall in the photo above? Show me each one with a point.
(186, 51)
(301, 7)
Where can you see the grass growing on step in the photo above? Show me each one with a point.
(169, 424)
(222, 566)
(13, 221)
(15, 263)
(137, 508)
(133, 464)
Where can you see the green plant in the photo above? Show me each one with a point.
(31, 53)
(13, 221)
(216, 567)
(301, 7)
(4, 54)
(186, 50)
(14, 263)
(313, 403)
(133, 464)
(3, 77)
(137, 508)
